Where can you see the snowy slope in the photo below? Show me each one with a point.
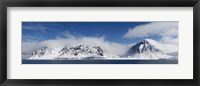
(166, 48)
(75, 52)
(44, 53)
(81, 51)
(145, 49)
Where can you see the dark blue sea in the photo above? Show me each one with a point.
(99, 61)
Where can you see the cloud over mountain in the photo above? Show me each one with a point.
(109, 47)
(168, 31)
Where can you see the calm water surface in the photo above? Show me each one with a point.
(99, 61)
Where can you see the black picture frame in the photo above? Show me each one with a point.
(99, 3)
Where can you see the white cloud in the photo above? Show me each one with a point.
(38, 27)
(169, 40)
(110, 48)
(168, 31)
(29, 46)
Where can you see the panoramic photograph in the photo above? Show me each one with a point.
(100, 42)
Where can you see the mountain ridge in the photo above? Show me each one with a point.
(144, 49)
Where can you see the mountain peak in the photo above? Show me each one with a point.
(82, 49)
(143, 47)
(44, 51)
(144, 41)
(146, 49)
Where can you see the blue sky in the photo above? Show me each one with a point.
(112, 31)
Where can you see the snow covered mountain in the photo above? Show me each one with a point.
(44, 52)
(145, 49)
(143, 46)
(81, 51)
(75, 52)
